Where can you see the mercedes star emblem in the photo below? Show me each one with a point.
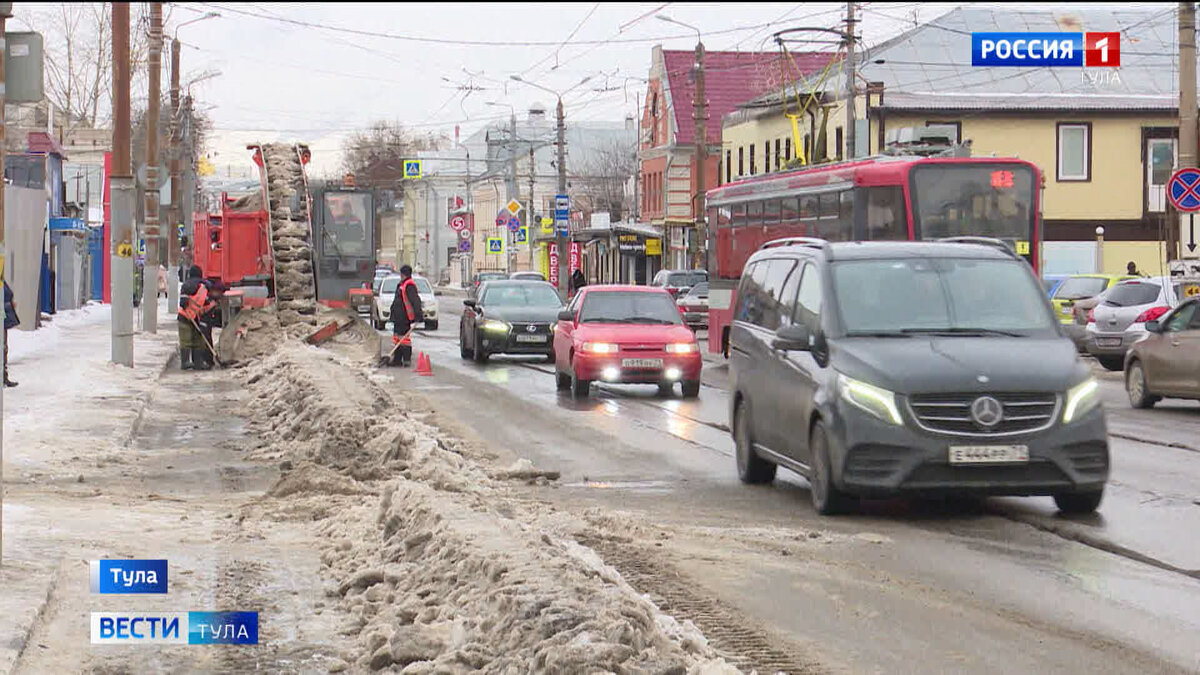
(987, 412)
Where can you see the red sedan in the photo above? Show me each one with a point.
(628, 335)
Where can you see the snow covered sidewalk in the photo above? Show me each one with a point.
(72, 411)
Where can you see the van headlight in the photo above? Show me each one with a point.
(867, 397)
(1081, 399)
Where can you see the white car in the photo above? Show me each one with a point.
(387, 293)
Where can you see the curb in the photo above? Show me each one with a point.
(145, 399)
(23, 641)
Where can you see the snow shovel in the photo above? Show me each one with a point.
(387, 360)
(208, 344)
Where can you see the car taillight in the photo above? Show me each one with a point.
(1091, 316)
(1151, 314)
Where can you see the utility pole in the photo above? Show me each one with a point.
(851, 94)
(529, 214)
(1187, 108)
(122, 195)
(511, 254)
(560, 237)
(700, 114)
(151, 231)
(176, 212)
(5, 12)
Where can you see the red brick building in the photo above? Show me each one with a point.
(667, 147)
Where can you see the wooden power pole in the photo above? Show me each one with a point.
(122, 194)
(700, 114)
(152, 232)
(177, 216)
(1187, 107)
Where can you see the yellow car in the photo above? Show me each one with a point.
(1079, 286)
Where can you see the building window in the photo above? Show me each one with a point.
(1074, 151)
(957, 128)
(728, 167)
(808, 149)
(741, 162)
(778, 157)
(767, 157)
(838, 138)
(787, 149)
(751, 159)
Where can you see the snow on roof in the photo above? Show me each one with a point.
(43, 143)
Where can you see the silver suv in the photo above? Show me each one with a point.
(959, 382)
(1120, 318)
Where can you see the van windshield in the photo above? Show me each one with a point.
(940, 296)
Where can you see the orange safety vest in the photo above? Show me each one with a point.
(408, 310)
(197, 304)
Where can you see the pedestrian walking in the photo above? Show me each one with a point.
(162, 281)
(577, 281)
(194, 303)
(10, 321)
(406, 312)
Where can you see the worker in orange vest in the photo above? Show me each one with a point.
(406, 313)
(194, 303)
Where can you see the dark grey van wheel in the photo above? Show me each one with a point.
(826, 498)
(751, 468)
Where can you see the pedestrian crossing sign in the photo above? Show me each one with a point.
(412, 169)
(523, 234)
(495, 246)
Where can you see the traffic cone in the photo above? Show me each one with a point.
(424, 367)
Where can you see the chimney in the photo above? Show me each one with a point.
(456, 143)
(629, 125)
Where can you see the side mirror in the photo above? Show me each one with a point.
(794, 338)
(469, 303)
(566, 315)
(1154, 327)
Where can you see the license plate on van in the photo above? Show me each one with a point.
(988, 454)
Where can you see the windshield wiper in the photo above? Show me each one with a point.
(646, 319)
(601, 319)
(878, 333)
(958, 330)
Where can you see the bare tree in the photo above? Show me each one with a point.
(376, 155)
(78, 56)
(606, 174)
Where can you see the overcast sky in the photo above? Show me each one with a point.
(282, 81)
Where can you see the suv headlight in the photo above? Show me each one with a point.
(496, 326)
(869, 398)
(1081, 399)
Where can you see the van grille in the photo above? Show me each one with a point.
(951, 413)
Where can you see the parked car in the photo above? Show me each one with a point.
(1166, 363)
(628, 335)
(1077, 287)
(527, 276)
(1077, 330)
(677, 282)
(961, 384)
(694, 306)
(387, 294)
(1050, 282)
(1120, 319)
(509, 317)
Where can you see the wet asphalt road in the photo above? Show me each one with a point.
(1007, 585)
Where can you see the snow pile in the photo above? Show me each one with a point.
(440, 580)
(290, 239)
(255, 333)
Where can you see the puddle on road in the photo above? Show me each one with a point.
(633, 485)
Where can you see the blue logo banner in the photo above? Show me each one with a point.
(128, 576)
(1027, 50)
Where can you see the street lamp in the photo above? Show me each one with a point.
(561, 142)
(210, 15)
(699, 116)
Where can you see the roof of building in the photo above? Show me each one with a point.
(929, 67)
(44, 143)
(730, 79)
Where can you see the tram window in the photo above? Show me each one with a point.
(754, 213)
(833, 226)
(829, 207)
(885, 213)
(771, 210)
(808, 207)
(790, 211)
(738, 215)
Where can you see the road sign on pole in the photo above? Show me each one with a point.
(495, 245)
(1183, 190)
(412, 169)
(562, 211)
(457, 223)
(514, 207)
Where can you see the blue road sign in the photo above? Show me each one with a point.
(412, 168)
(464, 246)
(1184, 190)
(522, 235)
(513, 224)
(495, 246)
(562, 210)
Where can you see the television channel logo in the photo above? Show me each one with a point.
(175, 628)
(1028, 50)
(121, 577)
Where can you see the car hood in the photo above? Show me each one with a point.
(523, 314)
(632, 333)
(935, 364)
